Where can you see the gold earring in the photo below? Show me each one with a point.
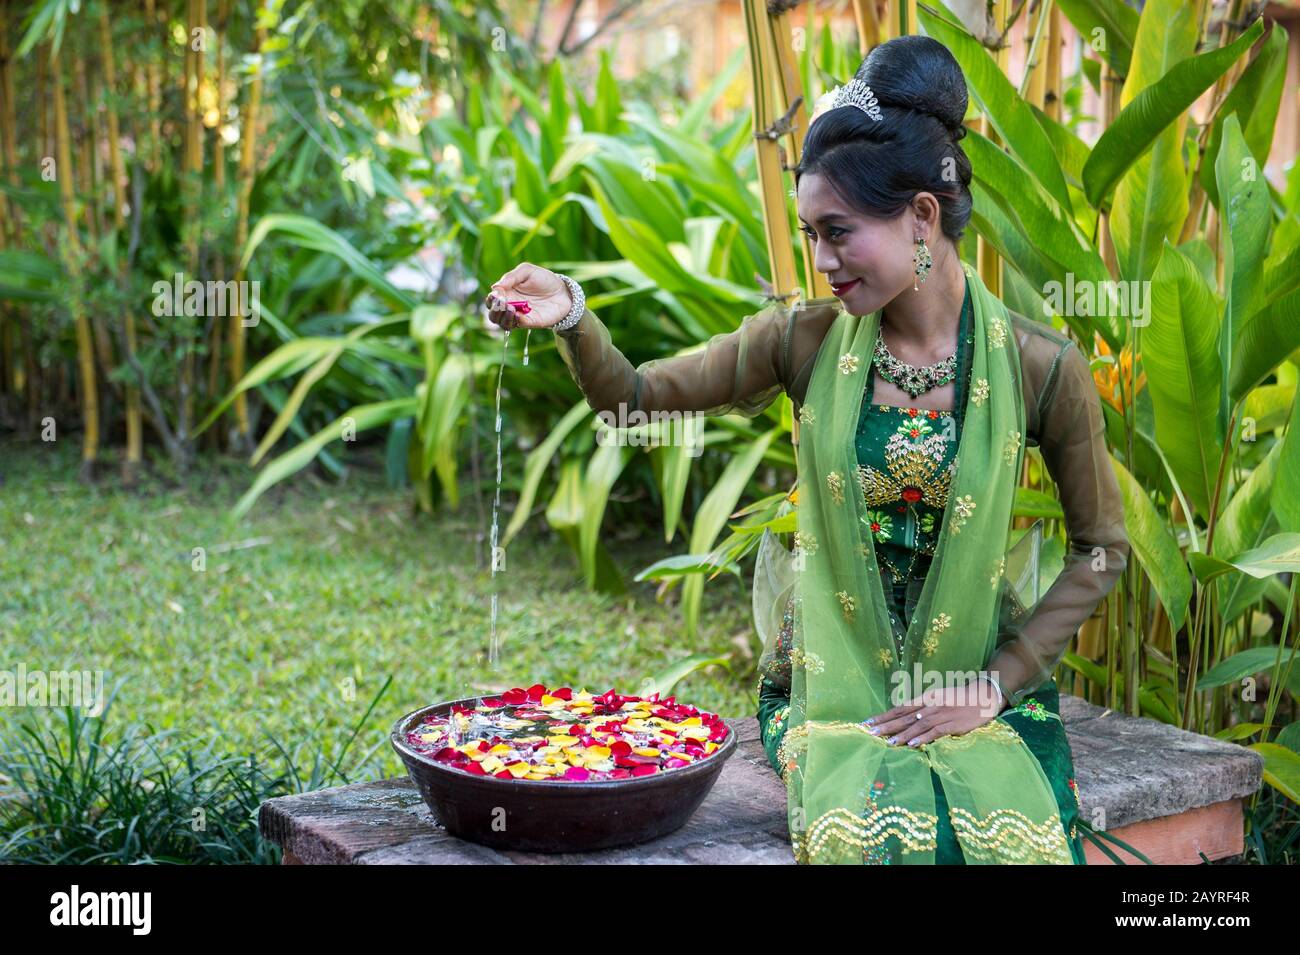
(922, 262)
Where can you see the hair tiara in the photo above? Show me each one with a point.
(857, 93)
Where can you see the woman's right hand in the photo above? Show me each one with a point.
(546, 294)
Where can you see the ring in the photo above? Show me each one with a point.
(918, 715)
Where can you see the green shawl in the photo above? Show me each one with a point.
(852, 796)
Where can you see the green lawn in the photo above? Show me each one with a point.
(342, 583)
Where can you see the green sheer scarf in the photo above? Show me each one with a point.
(852, 796)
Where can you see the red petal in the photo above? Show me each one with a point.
(476, 769)
(515, 696)
(492, 701)
(504, 774)
(577, 773)
(620, 747)
(535, 691)
(446, 754)
(563, 693)
(645, 771)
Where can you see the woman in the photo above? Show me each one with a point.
(911, 713)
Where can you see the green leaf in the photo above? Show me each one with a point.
(1107, 27)
(712, 516)
(1281, 769)
(1153, 109)
(1286, 487)
(1006, 109)
(1278, 555)
(681, 565)
(1248, 663)
(363, 417)
(1244, 243)
(1150, 201)
(666, 680)
(1180, 355)
(1155, 547)
(1255, 98)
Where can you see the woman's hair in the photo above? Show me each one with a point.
(878, 166)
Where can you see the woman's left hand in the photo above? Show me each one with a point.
(944, 712)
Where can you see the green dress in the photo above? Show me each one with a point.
(906, 456)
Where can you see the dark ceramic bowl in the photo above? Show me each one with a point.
(539, 815)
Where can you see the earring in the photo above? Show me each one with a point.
(923, 262)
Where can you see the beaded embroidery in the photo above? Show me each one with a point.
(1011, 836)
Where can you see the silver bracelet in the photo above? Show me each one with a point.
(579, 305)
(1002, 696)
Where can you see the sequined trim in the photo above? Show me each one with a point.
(1007, 835)
(916, 832)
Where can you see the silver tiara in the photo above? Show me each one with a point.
(857, 93)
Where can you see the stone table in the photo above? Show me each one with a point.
(1170, 794)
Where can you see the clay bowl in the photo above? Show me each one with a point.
(537, 815)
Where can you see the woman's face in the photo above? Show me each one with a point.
(868, 261)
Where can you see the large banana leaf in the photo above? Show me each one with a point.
(1181, 360)
(1151, 199)
(1153, 110)
(1255, 98)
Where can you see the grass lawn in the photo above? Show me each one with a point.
(311, 602)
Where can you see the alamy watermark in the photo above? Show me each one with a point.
(1126, 298)
(651, 429)
(241, 299)
(83, 689)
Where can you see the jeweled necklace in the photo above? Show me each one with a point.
(915, 381)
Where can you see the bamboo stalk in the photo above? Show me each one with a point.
(240, 438)
(988, 262)
(219, 191)
(134, 426)
(1052, 104)
(72, 253)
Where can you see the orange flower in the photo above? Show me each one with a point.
(793, 497)
(1108, 378)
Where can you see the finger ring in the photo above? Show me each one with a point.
(918, 716)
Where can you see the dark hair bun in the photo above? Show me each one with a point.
(878, 167)
(918, 73)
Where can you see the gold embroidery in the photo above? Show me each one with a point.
(981, 391)
(997, 332)
(918, 832)
(848, 363)
(848, 604)
(1009, 836)
(806, 414)
(835, 482)
(997, 574)
(1012, 446)
(886, 657)
(916, 473)
(806, 542)
(799, 657)
(965, 507)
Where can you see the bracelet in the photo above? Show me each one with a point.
(579, 305)
(1002, 696)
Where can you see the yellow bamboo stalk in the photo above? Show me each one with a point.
(219, 190)
(788, 90)
(240, 439)
(868, 24)
(134, 425)
(988, 261)
(1052, 82)
(72, 246)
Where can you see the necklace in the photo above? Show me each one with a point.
(915, 381)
